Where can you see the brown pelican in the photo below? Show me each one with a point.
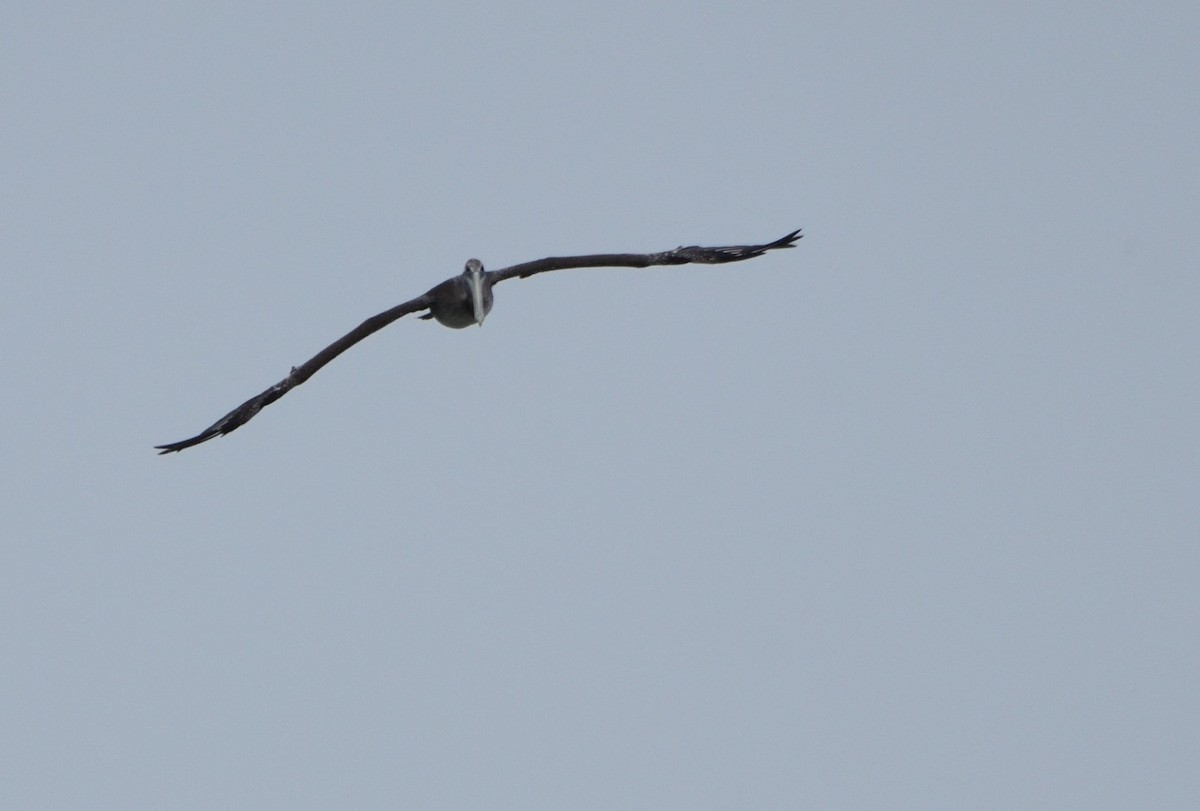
(464, 300)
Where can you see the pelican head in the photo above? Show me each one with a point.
(474, 273)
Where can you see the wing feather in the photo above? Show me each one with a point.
(682, 255)
(246, 411)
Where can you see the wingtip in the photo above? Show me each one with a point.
(785, 241)
(183, 444)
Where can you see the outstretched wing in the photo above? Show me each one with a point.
(246, 411)
(680, 256)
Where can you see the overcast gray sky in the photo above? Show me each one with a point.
(903, 518)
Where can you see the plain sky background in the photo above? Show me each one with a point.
(906, 517)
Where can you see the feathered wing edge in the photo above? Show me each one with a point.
(729, 253)
(246, 411)
(234, 419)
(679, 256)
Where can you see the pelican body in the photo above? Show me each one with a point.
(462, 300)
(466, 299)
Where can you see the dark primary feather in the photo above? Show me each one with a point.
(679, 256)
(234, 419)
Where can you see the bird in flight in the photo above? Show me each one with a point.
(464, 300)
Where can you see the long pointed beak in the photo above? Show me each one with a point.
(477, 296)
